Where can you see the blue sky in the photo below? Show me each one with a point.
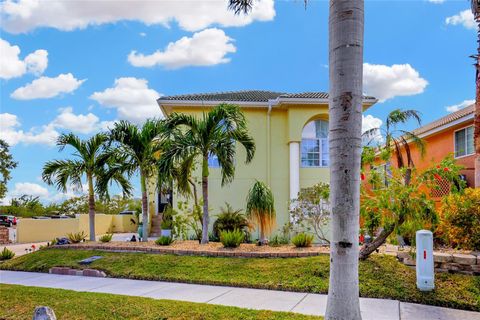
(71, 66)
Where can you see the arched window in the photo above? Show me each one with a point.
(314, 149)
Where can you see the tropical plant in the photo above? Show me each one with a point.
(402, 207)
(76, 237)
(302, 240)
(229, 220)
(261, 208)
(6, 254)
(94, 160)
(232, 239)
(278, 240)
(7, 164)
(140, 148)
(213, 135)
(311, 210)
(106, 237)
(460, 219)
(164, 241)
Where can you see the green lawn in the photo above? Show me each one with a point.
(380, 276)
(18, 302)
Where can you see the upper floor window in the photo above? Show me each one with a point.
(464, 142)
(314, 147)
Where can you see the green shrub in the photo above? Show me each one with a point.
(232, 239)
(460, 220)
(6, 254)
(106, 237)
(164, 241)
(278, 240)
(76, 237)
(229, 220)
(302, 240)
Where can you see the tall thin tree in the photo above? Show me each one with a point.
(95, 161)
(346, 18)
(215, 134)
(476, 133)
(140, 147)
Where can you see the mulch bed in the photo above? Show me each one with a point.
(193, 248)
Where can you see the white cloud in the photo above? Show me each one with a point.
(142, 34)
(79, 123)
(26, 15)
(461, 105)
(205, 48)
(436, 1)
(10, 132)
(32, 189)
(11, 66)
(132, 98)
(370, 122)
(46, 87)
(386, 82)
(464, 18)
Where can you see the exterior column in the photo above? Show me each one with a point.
(294, 169)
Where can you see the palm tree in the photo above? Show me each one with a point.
(94, 160)
(476, 133)
(213, 135)
(139, 147)
(346, 24)
(397, 144)
(261, 208)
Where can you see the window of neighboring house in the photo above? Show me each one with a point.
(314, 147)
(385, 172)
(464, 142)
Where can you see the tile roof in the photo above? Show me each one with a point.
(446, 120)
(248, 96)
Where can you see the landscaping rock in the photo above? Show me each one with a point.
(442, 257)
(94, 273)
(476, 269)
(403, 255)
(465, 259)
(409, 261)
(59, 270)
(44, 313)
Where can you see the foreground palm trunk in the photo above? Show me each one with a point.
(346, 59)
(91, 208)
(205, 218)
(144, 209)
(476, 134)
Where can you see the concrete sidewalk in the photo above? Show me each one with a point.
(305, 303)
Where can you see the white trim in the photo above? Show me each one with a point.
(455, 144)
(294, 148)
(446, 126)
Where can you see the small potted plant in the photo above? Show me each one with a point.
(166, 228)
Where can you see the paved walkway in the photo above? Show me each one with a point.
(306, 303)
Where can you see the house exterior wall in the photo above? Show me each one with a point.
(286, 126)
(439, 146)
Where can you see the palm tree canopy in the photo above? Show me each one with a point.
(138, 146)
(92, 158)
(214, 134)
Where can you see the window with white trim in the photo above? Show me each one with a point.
(464, 142)
(314, 147)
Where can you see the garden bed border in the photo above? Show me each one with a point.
(182, 252)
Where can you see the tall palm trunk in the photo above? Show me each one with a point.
(91, 207)
(345, 104)
(144, 207)
(476, 133)
(205, 218)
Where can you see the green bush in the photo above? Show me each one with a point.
(106, 237)
(302, 240)
(6, 254)
(164, 241)
(278, 240)
(76, 237)
(232, 239)
(229, 220)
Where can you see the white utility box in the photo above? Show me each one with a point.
(425, 265)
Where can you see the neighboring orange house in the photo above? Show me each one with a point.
(449, 135)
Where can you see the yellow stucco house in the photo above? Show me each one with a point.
(291, 135)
